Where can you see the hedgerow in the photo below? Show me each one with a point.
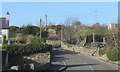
(27, 48)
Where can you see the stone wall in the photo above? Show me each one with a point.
(37, 61)
(82, 50)
(53, 42)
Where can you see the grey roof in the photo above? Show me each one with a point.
(8, 13)
(3, 23)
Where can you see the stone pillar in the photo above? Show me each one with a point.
(94, 44)
(104, 41)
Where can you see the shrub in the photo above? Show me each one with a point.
(37, 39)
(4, 40)
(102, 51)
(113, 54)
(27, 48)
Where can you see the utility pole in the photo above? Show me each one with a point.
(40, 27)
(46, 21)
(61, 34)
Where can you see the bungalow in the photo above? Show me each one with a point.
(4, 27)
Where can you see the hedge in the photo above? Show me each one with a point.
(112, 53)
(27, 48)
(102, 51)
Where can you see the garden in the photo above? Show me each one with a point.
(28, 44)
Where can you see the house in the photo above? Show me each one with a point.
(51, 32)
(4, 27)
(112, 26)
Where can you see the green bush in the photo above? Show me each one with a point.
(113, 54)
(37, 39)
(102, 51)
(27, 48)
(4, 40)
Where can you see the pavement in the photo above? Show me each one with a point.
(72, 61)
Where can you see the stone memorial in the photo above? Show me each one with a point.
(94, 44)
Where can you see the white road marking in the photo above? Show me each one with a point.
(64, 63)
(89, 66)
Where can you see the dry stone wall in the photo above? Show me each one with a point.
(37, 61)
(82, 50)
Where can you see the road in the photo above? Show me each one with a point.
(79, 62)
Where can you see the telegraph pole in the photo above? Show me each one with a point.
(61, 33)
(46, 21)
(40, 27)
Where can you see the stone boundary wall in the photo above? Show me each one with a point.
(86, 51)
(37, 61)
(53, 42)
(82, 50)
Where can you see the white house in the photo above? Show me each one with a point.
(4, 27)
(112, 26)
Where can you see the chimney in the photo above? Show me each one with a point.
(8, 16)
(7, 19)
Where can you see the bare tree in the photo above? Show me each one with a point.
(68, 29)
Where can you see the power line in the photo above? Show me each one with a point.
(40, 27)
